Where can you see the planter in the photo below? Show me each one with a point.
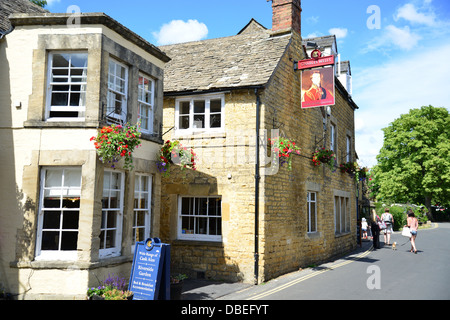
(175, 290)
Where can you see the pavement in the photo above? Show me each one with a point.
(194, 289)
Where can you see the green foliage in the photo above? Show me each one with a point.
(41, 3)
(414, 162)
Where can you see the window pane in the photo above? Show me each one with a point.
(199, 106)
(70, 220)
(215, 121)
(184, 122)
(50, 240)
(69, 240)
(201, 225)
(201, 206)
(199, 121)
(184, 107)
(60, 99)
(216, 106)
(187, 206)
(51, 220)
(79, 60)
(313, 216)
(61, 60)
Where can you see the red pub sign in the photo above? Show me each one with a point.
(313, 63)
(317, 80)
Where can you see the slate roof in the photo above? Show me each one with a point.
(325, 41)
(8, 7)
(244, 60)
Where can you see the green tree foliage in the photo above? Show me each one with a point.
(414, 162)
(41, 3)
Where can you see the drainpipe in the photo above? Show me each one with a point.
(257, 179)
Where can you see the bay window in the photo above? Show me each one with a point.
(59, 212)
(112, 213)
(146, 100)
(116, 109)
(142, 208)
(67, 80)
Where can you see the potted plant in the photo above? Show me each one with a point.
(176, 286)
(325, 156)
(112, 288)
(283, 148)
(115, 142)
(172, 152)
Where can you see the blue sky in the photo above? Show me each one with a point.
(399, 51)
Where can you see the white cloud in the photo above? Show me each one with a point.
(340, 33)
(402, 37)
(178, 31)
(386, 91)
(393, 37)
(51, 2)
(409, 13)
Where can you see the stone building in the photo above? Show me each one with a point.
(67, 220)
(240, 216)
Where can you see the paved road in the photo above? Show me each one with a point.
(370, 274)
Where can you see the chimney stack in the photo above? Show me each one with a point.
(286, 15)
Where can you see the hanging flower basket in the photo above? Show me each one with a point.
(362, 173)
(172, 152)
(348, 167)
(283, 148)
(116, 142)
(324, 156)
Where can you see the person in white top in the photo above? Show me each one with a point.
(389, 221)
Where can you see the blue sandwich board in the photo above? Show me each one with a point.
(150, 273)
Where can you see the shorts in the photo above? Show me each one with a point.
(388, 228)
(414, 232)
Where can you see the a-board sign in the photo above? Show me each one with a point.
(150, 273)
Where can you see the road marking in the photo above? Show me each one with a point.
(316, 273)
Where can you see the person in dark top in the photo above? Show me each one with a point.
(375, 233)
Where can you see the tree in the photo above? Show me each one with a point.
(414, 162)
(41, 3)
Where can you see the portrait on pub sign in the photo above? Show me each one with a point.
(318, 87)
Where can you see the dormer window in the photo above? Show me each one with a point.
(67, 80)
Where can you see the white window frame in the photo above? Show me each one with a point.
(145, 94)
(115, 250)
(349, 148)
(309, 202)
(114, 90)
(333, 145)
(342, 210)
(51, 84)
(60, 191)
(207, 114)
(138, 208)
(183, 235)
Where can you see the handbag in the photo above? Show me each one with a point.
(406, 232)
(382, 225)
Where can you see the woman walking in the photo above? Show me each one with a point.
(413, 224)
(388, 220)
